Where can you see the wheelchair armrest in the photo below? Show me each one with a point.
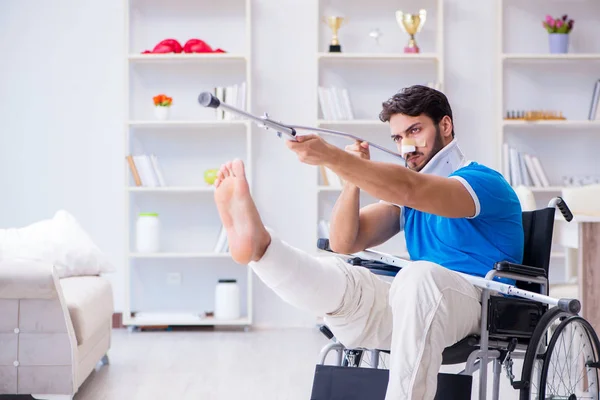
(525, 270)
(323, 244)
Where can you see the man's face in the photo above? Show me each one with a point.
(428, 137)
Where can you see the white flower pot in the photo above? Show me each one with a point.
(162, 113)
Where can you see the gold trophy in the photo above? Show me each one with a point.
(334, 23)
(411, 24)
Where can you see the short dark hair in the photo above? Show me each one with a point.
(416, 100)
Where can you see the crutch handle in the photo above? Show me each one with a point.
(572, 306)
(207, 99)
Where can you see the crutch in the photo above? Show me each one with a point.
(207, 99)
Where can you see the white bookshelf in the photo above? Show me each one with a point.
(370, 74)
(529, 77)
(192, 140)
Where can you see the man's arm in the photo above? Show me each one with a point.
(354, 229)
(396, 184)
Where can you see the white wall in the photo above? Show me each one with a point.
(62, 105)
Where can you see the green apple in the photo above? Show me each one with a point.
(210, 175)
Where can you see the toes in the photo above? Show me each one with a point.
(229, 168)
(217, 182)
(237, 167)
(224, 171)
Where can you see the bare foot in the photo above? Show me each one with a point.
(248, 238)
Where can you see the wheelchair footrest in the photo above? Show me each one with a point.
(348, 383)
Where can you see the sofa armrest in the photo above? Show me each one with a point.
(40, 346)
(27, 279)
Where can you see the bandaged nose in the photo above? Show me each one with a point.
(410, 145)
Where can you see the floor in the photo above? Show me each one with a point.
(273, 364)
(213, 365)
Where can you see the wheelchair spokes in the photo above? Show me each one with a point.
(570, 365)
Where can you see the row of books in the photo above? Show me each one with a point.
(235, 96)
(521, 168)
(335, 103)
(145, 170)
(330, 178)
(222, 244)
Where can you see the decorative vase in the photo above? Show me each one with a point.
(161, 112)
(559, 43)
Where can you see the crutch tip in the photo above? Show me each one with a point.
(207, 99)
(572, 306)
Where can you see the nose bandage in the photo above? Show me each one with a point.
(410, 145)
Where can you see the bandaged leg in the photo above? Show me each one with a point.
(353, 300)
(433, 308)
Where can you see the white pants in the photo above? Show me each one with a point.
(424, 310)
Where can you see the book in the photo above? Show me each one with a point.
(523, 168)
(335, 103)
(146, 170)
(594, 112)
(234, 95)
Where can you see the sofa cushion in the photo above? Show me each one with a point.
(90, 303)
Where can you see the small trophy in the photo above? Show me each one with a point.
(334, 23)
(376, 34)
(411, 24)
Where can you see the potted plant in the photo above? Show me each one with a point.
(558, 30)
(162, 106)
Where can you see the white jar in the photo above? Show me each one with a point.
(227, 300)
(147, 233)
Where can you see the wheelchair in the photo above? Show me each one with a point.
(559, 348)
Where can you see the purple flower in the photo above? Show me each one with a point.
(570, 25)
(559, 23)
(564, 17)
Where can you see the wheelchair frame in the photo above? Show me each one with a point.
(501, 349)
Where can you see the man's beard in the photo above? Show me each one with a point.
(437, 146)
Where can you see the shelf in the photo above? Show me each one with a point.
(188, 124)
(351, 122)
(179, 255)
(548, 189)
(556, 123)
(185, 57)
(551, 57)
(378, 56)
(165, 318)
(173, 189)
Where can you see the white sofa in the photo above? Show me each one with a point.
(53, 331)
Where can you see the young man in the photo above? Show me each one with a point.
(457, 216)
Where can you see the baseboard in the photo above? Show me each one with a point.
(117, 320)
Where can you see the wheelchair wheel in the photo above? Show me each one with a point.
(536, 350)
(570, 369)
(561, 360)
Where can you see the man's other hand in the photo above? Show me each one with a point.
(359, 149)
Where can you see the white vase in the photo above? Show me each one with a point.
(162, 113)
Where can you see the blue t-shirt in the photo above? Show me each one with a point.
(470, 245)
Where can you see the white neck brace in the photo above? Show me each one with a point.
(446, 161)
